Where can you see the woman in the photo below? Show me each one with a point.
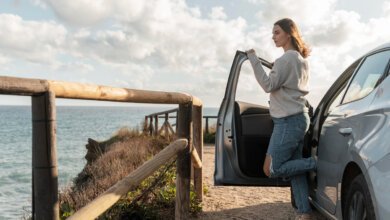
(287, 84)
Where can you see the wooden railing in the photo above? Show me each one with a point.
(45, 204)
(151, 124)
(113, 194)
(207, 130)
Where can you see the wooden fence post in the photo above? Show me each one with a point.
(207, 125)
(151, 126)
(146, 125)
(183, 177)
(177, 119)
(198, 144)
(156, 125)
(166, 125)
(45, 203)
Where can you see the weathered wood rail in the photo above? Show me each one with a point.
(45, 204)
(151, 124)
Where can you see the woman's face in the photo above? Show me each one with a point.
(280, 37)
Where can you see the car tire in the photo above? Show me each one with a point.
(358, 203)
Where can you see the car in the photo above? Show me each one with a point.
(349, 134)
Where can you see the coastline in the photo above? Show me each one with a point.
(74, 126)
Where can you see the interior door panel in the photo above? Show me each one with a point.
(253, 131)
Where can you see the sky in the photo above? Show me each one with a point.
(177, 45)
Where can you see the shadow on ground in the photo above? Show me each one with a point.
(269, 211)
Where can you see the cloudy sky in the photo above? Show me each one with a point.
(178, 45)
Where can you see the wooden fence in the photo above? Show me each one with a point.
(151, 124)
(45, 204)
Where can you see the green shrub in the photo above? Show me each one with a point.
(209, 138)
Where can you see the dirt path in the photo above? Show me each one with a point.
(232, 202)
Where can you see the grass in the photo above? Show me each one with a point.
(124, 152)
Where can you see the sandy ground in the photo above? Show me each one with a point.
(232, 202)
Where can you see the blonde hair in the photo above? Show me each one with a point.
(291, 28)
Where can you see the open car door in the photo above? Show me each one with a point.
(243, 134)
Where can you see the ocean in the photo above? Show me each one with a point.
(74, 126)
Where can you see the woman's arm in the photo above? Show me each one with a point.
(270, 82)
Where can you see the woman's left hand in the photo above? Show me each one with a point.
(250, 51)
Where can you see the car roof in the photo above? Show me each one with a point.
(383, 46)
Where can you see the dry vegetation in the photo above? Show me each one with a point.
(111, 160)
(121, 154)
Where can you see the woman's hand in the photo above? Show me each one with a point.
(250, 51)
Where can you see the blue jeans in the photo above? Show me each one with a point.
(285, 149)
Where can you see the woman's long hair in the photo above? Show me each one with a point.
(291, 28)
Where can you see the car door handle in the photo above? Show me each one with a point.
(345, 131)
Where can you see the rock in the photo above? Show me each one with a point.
(94, 150)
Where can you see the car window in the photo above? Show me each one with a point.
(336, 101)
(367, 76)
(337, 90)
(248, 89)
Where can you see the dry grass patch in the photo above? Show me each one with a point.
(124, 153)
(118, 157)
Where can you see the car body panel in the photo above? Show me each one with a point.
(340, 147)
(377, 151)
(380, 173)
(366, 121)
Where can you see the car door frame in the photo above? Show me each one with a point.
(226, 159)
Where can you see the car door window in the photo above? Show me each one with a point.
(367, 76)
(248, 89)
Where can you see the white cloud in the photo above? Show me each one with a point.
(256, 1)
(3, 59)
(340, 28)
(165, 40)
(30, 40)
(386, 7)
(75, 67)
(81, 12)
(218, 13)
(122, 83)
(111, 46)
(302, 11)
(133, 75)
(130, 10)
(165, 34)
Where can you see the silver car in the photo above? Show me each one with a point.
(349, 133)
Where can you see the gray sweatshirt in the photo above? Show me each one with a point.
(287, 83)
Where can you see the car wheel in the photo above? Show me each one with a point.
(358, 203)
